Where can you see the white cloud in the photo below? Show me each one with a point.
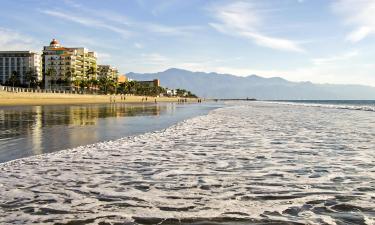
(88, 22)
(336, 58)
(12, 40)
(359, 34)
(169, 30)
(163, 6)
(241, 19)
(138, 45)
(123, 21)
(154, 58)
(357, 13)
(104, 57)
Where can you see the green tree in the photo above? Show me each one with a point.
(51, 74)
(93, 83)
(76, 82)
(31, 78)
(83, 84)
(91, 72)
(14, 78)
(104, 83)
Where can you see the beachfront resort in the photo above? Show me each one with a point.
(73, 69)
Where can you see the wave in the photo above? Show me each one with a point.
(364, 107)
(222, 168)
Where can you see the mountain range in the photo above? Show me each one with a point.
(215, 85)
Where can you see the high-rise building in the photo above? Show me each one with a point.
(19, 63)
(107, 71)
(66, 65)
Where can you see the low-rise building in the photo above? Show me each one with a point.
(122, 79)
(68, 64)
(171, 92)
(151, 83)
(20, 63)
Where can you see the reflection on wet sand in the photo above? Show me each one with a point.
(17, 122)
(34, 130)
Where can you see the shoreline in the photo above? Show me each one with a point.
(92, 146)
(34, 99)
(187, 171)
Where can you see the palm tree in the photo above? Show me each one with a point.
(83, 84)
(93, 83)
(132, 87)
(76, 82)
(103, 83)
(68, 77)
(31, 77)
(14, 78)
(91, 72)
(51, 73)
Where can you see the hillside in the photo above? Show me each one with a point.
(216, 85)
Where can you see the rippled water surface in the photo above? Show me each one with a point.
(34, 130)
(249, 163)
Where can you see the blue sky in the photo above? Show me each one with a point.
(301, 40)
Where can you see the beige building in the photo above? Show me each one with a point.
(20, 62)
(67, 64)
(122, 79)
(108, 72)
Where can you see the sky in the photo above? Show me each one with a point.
(321, 41)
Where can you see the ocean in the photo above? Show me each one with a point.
(245, 163)
(34, 130)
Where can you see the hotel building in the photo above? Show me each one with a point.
(20, 62)
(108, 72)
(68, 64)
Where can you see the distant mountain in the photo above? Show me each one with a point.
(215, 85)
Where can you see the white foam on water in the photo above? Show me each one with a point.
(362, 107)
(256, 161)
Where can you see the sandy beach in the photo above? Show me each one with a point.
(27, 98)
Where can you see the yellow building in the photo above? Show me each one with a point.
(107, 71)
(67, 64)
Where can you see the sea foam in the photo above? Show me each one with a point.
(247, 163)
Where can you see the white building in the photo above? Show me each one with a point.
(20, 62)
(171, 92)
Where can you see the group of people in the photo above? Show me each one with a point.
(112, 98)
